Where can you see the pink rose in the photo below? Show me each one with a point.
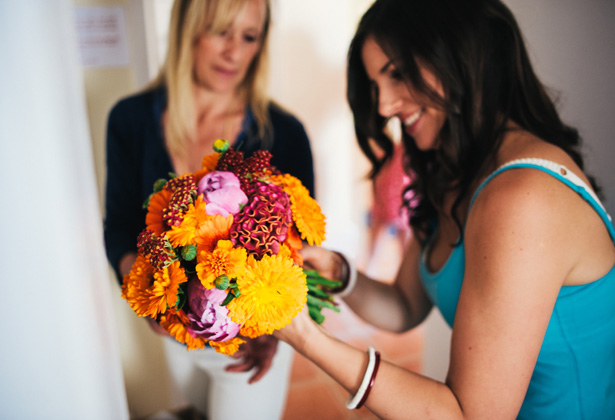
(208, 319)
(222, 193)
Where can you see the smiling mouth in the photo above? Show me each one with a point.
(225, 72)
(413, 118)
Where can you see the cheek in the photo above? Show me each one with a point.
(250, 54)
(207, 47)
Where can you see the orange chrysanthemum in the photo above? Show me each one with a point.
(215, 228)
(273, 292)
(194, 217)
(210, 161)
(162, 294)
(175, 323)
(228, 347)
(198, 175)
(223, 260)
(157, 203)
(307, 214)
(293, 242)
(136, 284)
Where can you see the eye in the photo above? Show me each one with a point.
(396, 75)
(250, 37)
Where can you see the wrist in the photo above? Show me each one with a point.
(305, 333)
(348, 276)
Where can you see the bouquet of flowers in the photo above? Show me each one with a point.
(219, 257)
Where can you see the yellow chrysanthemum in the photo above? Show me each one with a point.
(136, 284)
(175, 324)
(163, 292)
(210, 161)
(228, 347)
(307, 214)
(223, 260)
(215, 228)
(194, 217)
(273, 292)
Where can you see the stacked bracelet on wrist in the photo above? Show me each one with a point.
(369, 377)
(349, 277)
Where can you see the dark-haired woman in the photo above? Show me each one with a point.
(510, 240)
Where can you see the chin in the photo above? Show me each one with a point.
(425, 146)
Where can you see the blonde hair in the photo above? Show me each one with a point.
(189, 19)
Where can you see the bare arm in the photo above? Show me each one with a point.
(394, 307)
(397, 307)
(517, 258)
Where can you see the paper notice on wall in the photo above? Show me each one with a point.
(101, 34)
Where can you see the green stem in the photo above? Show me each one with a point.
(311, 300)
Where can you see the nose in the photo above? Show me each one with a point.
(389, 104)
(231, 46)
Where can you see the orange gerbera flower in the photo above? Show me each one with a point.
(175, 324)
(136, 284)
(223, 260)
(194, 217)
(157, 203)
(163, 292)
(212, 230)
(273, 292)
(306, 211)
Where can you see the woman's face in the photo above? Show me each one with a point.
(222, 60)
(419, 116)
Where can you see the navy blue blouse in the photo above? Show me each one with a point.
(137, 157)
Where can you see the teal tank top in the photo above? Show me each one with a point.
(574, 376)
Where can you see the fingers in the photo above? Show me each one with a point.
(243, 366)
(257, 353)
(260, 365)
(261, 370)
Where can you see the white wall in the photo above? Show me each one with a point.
(59, 356)
(572, 44)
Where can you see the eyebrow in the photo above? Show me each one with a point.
(385, 67)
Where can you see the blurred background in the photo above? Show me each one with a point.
(72, 348)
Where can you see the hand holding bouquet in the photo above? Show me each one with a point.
(219, 258)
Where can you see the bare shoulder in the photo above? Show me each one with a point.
(528, 209)
(524, 193)
(523, 205)
(528, 192)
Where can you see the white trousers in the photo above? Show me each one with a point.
(200, 377)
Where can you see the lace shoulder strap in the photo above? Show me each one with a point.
(560, 172)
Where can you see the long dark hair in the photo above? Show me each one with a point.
(476, 50)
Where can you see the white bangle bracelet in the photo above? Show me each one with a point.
(353, 402)
(352, 277)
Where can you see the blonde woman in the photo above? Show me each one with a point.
(212, 85)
